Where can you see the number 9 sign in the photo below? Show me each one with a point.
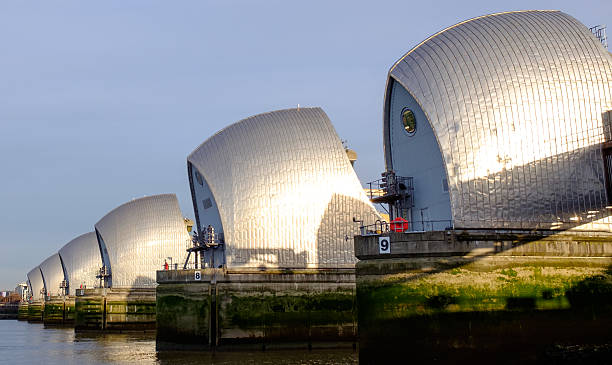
(384, 245)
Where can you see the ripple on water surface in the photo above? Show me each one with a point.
(28, 343)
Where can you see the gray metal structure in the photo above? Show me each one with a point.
(36, 284)
(81, 259)
(281, 191)
(136, 237)
(510, 122)
(53, 275)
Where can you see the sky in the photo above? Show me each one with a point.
(101, 102)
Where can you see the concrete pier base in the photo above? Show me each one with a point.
(459, 297)
(259, 309)
(59, 312)
(22, 312)
(36, 311)
(119, 310)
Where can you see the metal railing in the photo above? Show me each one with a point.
(599, 31)
(389, 186)
(380, 227)
(189, 266)
(383, 226)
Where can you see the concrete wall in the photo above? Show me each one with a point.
(111, 309)
(474, 243)
(23, 311)
(101, 309)
(255, 308)
(35, 311)
(469, 296)
(59, 311)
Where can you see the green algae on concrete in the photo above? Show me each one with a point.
(183, 315)
(465, 320)
(54, 312)
(69, 311)
(274, 314)
(112, 309)
(130, 314)
(483, 302)
(463, 289)
(59, 311)
(89, 312)
(130, 309)
(22, 312)
(35, 311)
(256, 308)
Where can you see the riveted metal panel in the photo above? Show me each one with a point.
(139, 236)
(81, 259)
(36, 282)
(53, 274)
(517, 103)
(285, 191)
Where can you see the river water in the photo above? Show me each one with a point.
(29, 343)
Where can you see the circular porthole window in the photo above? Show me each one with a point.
(199, 178)
(409, 121)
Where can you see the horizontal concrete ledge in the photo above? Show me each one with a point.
(255, 275)
(149, 331)
(430, 265)
(126, 291)
(485, 243)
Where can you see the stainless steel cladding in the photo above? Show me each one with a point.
(281, 191)
(36, 283)
(82, 260)
(53, 275)
(516, 102)
(138, 236)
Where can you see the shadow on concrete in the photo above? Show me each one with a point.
(534, 322)
(520, 333)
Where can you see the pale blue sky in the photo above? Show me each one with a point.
(102, 102)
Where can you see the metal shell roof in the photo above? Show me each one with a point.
(81, 259)
(285, 189)
(53, 274)
(516, 102)
(139, 235)
(36, 283)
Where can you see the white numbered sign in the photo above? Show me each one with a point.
(197, 276)
(384, 245)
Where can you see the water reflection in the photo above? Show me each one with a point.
(270, 357)
(115, 348)
(28, 343)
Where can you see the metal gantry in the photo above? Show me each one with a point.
(207, 241)
(599, 31)
(396, 191)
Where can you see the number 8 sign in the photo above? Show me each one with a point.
(384, 245)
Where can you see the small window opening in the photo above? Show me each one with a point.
(409, 121)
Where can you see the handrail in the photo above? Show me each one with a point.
(502, 226)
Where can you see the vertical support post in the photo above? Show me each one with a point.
(104, 312)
